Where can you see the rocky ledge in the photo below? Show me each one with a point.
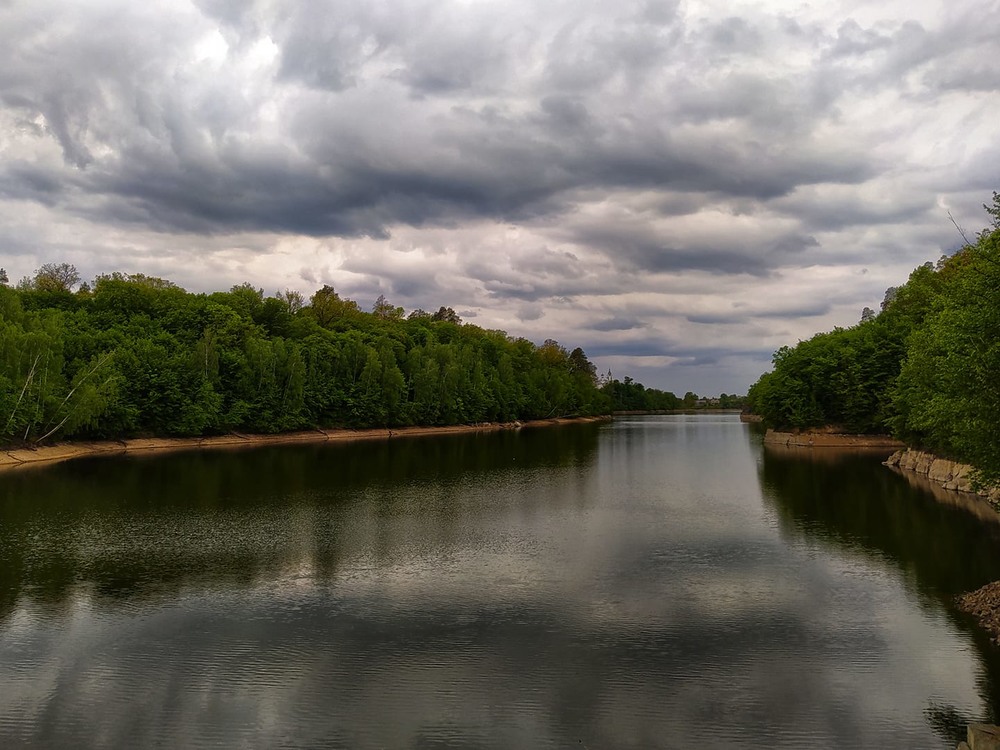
(981, 737)
(984, 605)
(949, 474)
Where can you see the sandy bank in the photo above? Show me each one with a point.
(828, 438)
(17, 458)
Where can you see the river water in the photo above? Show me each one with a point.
(659, 581)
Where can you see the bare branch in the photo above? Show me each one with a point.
(73, 390)
(53, 429)
(27, 381)
(58, 426)
(960, 230)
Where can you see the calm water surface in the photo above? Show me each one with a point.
(653, 582)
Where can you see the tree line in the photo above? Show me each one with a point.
(137, 355)
(925, 368)
(631, 395)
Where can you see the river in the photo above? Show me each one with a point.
(660, 581)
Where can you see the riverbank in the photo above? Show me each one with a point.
(947, 474)
(951, 482)
(827, 437)
(984, 605)
(16, 458)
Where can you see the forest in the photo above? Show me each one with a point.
(925, 368)
(134, 355)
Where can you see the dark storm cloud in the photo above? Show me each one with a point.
(810, 310)
(647, 347)
(21, 181)
(190, 162)
(751, 170)
(715, 318)
(642, 248)
(550, 289)
(855, 210)
(239, 189)
(417, 288)
(659, 347)
(525, 292)
(531, 274)
(617, 324)
(734, 317)
(548, 262)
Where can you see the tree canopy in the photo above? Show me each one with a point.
(137, 355)
(926, 368)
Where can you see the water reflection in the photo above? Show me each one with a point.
(943, 543)
(620, 586)
(148, 525)
(944, 546)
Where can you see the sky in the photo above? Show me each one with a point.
(680, 188)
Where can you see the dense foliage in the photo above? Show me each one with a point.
(135, 355)
(629, 395)
(926, 368)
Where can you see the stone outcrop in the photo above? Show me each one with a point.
(950, 475)
(981, 737)
(984, 605)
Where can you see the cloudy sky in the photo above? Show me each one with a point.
(678, 187)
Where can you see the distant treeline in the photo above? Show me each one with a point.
(133, 355)
(926, 368)
(629, 395)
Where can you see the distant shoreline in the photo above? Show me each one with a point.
(17, 458)
(640, 412)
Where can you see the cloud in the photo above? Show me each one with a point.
(357, 152)
(742, 313)
(510, 159)
(616, 324)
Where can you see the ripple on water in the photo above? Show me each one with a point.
(564, 593)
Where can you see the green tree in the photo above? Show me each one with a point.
(927, 366)
(137, 355)
(327, 306)
(948, 392)
(447, 315)
(56, 277)
(385, 310)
